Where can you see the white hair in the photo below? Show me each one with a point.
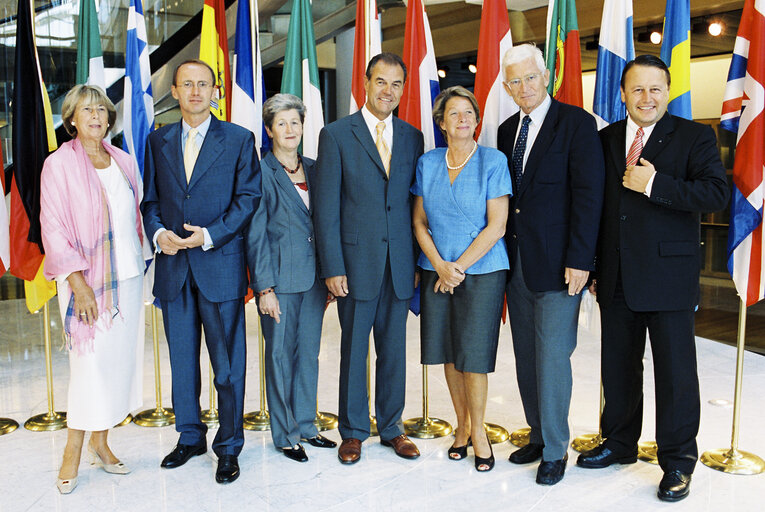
(522, 52)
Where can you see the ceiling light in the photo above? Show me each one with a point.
(442, 73)
(715, 28)
(655, 37)
(472, 68)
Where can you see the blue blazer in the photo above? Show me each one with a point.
(361, 217)
(222, 195)
(281, 249)
(555, 213)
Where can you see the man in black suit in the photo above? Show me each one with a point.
(662, 171)
(552, 230)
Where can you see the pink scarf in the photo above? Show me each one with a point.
(77, 233)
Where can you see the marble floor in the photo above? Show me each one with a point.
(380, 481)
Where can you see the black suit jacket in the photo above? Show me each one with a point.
(655, 241)
(555, 213)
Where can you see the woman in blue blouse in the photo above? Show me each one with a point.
(460, 211)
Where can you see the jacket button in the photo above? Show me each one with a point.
(389, 208)
(517, 210)
(310, 239)
(515, 237)
(623, 217)
(188, 196)
(384, 239)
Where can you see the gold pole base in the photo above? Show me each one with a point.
(258, 420)
(128, 419)
(373, 427)
(520, 437)
(7, 426)
(586, 442)
(647, 452)
(159, 417)
(46, 422)
(427, 428)
(210, 418)
(735, 462)
(496, 433)
(325, 421)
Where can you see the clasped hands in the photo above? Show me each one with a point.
(170, 243)
(450, 275)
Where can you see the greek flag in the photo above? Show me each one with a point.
(615, 50)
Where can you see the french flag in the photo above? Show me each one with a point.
(494, 39)
(249, 88)
(743, 112)
(421, 88)
(367, 43)
(615, 49)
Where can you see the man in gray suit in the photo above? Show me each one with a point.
(363, 222)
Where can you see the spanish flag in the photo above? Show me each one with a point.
(213, 49)
(563, 56)
(33, 139)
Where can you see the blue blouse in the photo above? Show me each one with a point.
(457, 212)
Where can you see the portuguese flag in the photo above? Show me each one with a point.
(563, 56)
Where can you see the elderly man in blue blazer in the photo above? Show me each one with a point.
(557, 166)
(363, 220)
(201, 187)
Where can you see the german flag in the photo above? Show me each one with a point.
(33, 140)
(213, 49)
(563, 56)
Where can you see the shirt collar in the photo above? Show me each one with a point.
(632, 128)
(372, 120)
(201, 129)
(538, 114)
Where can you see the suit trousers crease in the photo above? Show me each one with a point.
(225, 339)
(292, 364)
(678, 406)
(544, 329)
(386, 315)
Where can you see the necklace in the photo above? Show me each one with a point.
(452, 168)
(290, 171)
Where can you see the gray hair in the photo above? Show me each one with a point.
(279, 103)
(91, 95)
(522, 52)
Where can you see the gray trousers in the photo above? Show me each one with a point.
(544, 326)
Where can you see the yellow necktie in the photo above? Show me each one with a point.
(190, 153)
(382, 147)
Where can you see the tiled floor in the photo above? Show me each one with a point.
(380, 481)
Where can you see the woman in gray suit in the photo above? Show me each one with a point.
(281, 255)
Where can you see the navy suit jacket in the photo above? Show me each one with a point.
(362, 218)
(555, 213)
(281, 247)
(222, 195)
(653, 242)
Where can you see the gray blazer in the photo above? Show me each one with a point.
(281, 250)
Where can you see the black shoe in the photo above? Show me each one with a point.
(181, 454)
(228, 469)
(296, 453)
(479, 461)
(674, 486)
(528, 453)
(458, 452)
(550, 473)
(602, 457)
(319, 441)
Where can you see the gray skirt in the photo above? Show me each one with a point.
(463, 328)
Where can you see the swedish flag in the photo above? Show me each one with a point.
(676, 53)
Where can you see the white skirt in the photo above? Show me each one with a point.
(106, 384)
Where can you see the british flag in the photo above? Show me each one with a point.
(743, 113)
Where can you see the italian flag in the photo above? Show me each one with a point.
(301, 73)
(563, 56)
(90, 57)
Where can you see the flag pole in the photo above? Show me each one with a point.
(426, 427)
(733, 460)
(372, 420)
(159, 416)
(210, 416)
(50, 420)
(260, 420)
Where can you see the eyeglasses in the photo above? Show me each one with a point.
(202, 84)
(528, 80)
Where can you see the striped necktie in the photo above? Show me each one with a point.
(382, 147)
(190, 153)
(519, 151)
(636, 148)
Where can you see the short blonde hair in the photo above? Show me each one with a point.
(91, 95)
(457, 91)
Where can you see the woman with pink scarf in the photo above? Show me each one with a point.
(94, 248)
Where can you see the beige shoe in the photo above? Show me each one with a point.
(66, 486)
(116, 469)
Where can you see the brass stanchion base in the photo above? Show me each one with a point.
(496, 433)
(159, 417)
(735, 462)
(586, 442)
(520, 437)
(128, 419)
(210, 418)
(258, 420)
(647, 452)
(46, 422)
(427, 428)
(325, 421)
(7, 426)
(373, 427)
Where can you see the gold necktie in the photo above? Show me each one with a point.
(382, 147)
(190, 153)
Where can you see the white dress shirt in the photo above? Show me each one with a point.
(372, 121)
(632, 129)
(537, 118)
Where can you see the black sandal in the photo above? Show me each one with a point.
(459, 452)
(480, 461)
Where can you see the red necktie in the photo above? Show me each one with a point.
(636, 148)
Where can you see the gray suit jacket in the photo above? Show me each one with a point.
(281, 250)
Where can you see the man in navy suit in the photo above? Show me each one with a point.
(662, 171)
(363, 221)
(202, 185)
(557, 167)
